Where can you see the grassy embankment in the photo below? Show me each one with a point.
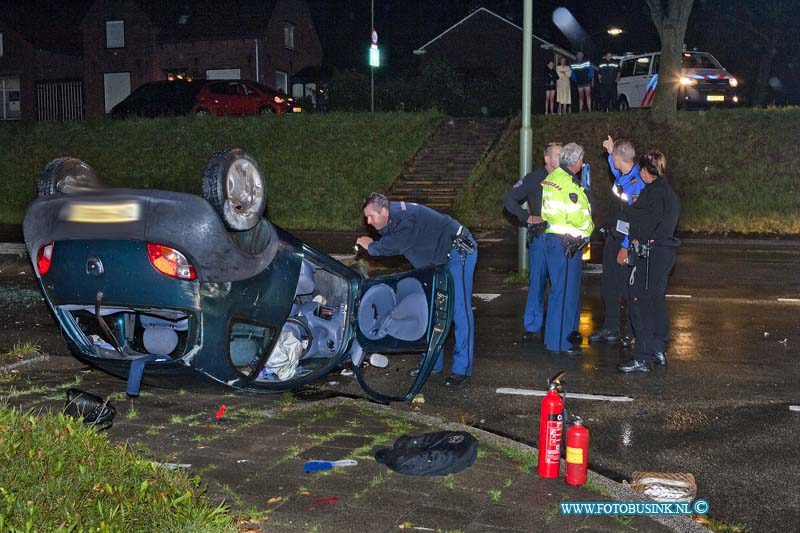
(736, 171)
(60, 475)
(318, 167)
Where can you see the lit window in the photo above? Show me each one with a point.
(281, 81)
(115, 34)
(1, 45)
(288, 35)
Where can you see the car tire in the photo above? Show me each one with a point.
(66, 175)
(266, 110)
(202, 113)
(623, 103)
(234, 186)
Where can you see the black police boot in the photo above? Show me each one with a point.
(454, 381)
(604, 335)
(531, 336)
(660, 358)
(634, 365)
(575, 338)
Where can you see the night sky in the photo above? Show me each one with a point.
(738, 32)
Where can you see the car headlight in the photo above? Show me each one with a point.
(733, 82)
(688, 81)
(278, 100)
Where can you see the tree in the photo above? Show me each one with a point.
(670, 18)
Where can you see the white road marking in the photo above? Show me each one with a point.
(573, 395)
(12, 248)
(686, 296)
(486, 297)
(795, 408)
(789, 300)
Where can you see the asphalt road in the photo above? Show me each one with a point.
(720, 410)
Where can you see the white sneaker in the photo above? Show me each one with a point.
(378, 360)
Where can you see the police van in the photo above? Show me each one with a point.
(703, 82)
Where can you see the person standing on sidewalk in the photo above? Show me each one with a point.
(426, 237)
(566, 209)
(563, 86)
(550, 80)
(653, 219)
(608, 74)
(582, 74)
(529, 189)
(627, 186)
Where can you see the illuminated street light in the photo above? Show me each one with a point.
(614, 31)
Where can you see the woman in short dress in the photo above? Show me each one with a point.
(563, 88)
(550, 79)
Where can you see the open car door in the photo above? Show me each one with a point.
(405, 317)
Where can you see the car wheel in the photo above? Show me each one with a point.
(202, 113)
(623, 103)
(233, 185)
(267, 110)
(66, 175)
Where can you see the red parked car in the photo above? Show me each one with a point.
(242, 97)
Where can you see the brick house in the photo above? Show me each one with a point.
(128, 43)
(40, 71)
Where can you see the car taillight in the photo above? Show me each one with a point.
(44, 258)
(170, 262)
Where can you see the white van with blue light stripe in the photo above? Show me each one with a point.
(703, 82)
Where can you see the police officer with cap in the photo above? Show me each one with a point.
(426, 237)
(529, 189)
(566, 209)
(608, 75)
(627, 186)
(653, 219)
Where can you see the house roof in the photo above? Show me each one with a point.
(45, 25)
(195, 20)
(482, 11)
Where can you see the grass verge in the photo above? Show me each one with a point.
(59, 475)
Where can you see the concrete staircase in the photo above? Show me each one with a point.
(436, 174)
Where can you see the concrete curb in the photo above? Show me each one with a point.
(25, 362)
(617, 491)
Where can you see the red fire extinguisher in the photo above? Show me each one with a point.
(577, 453)
(551, 425)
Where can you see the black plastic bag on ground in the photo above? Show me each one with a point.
(94, 410)
(430, 454)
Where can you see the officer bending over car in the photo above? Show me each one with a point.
(426, 238)
(627, 186)
(529, 189)
(653, 218)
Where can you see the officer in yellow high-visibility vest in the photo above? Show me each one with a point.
(566, 209)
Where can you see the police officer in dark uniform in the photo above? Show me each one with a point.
(653, 218)
(426, 237)
(627, 186)
(529, 189)
(608, 74)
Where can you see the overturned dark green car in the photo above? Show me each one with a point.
(180, 290)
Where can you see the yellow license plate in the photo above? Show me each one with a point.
(297, 109)
(715, 98)
(104, 213)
